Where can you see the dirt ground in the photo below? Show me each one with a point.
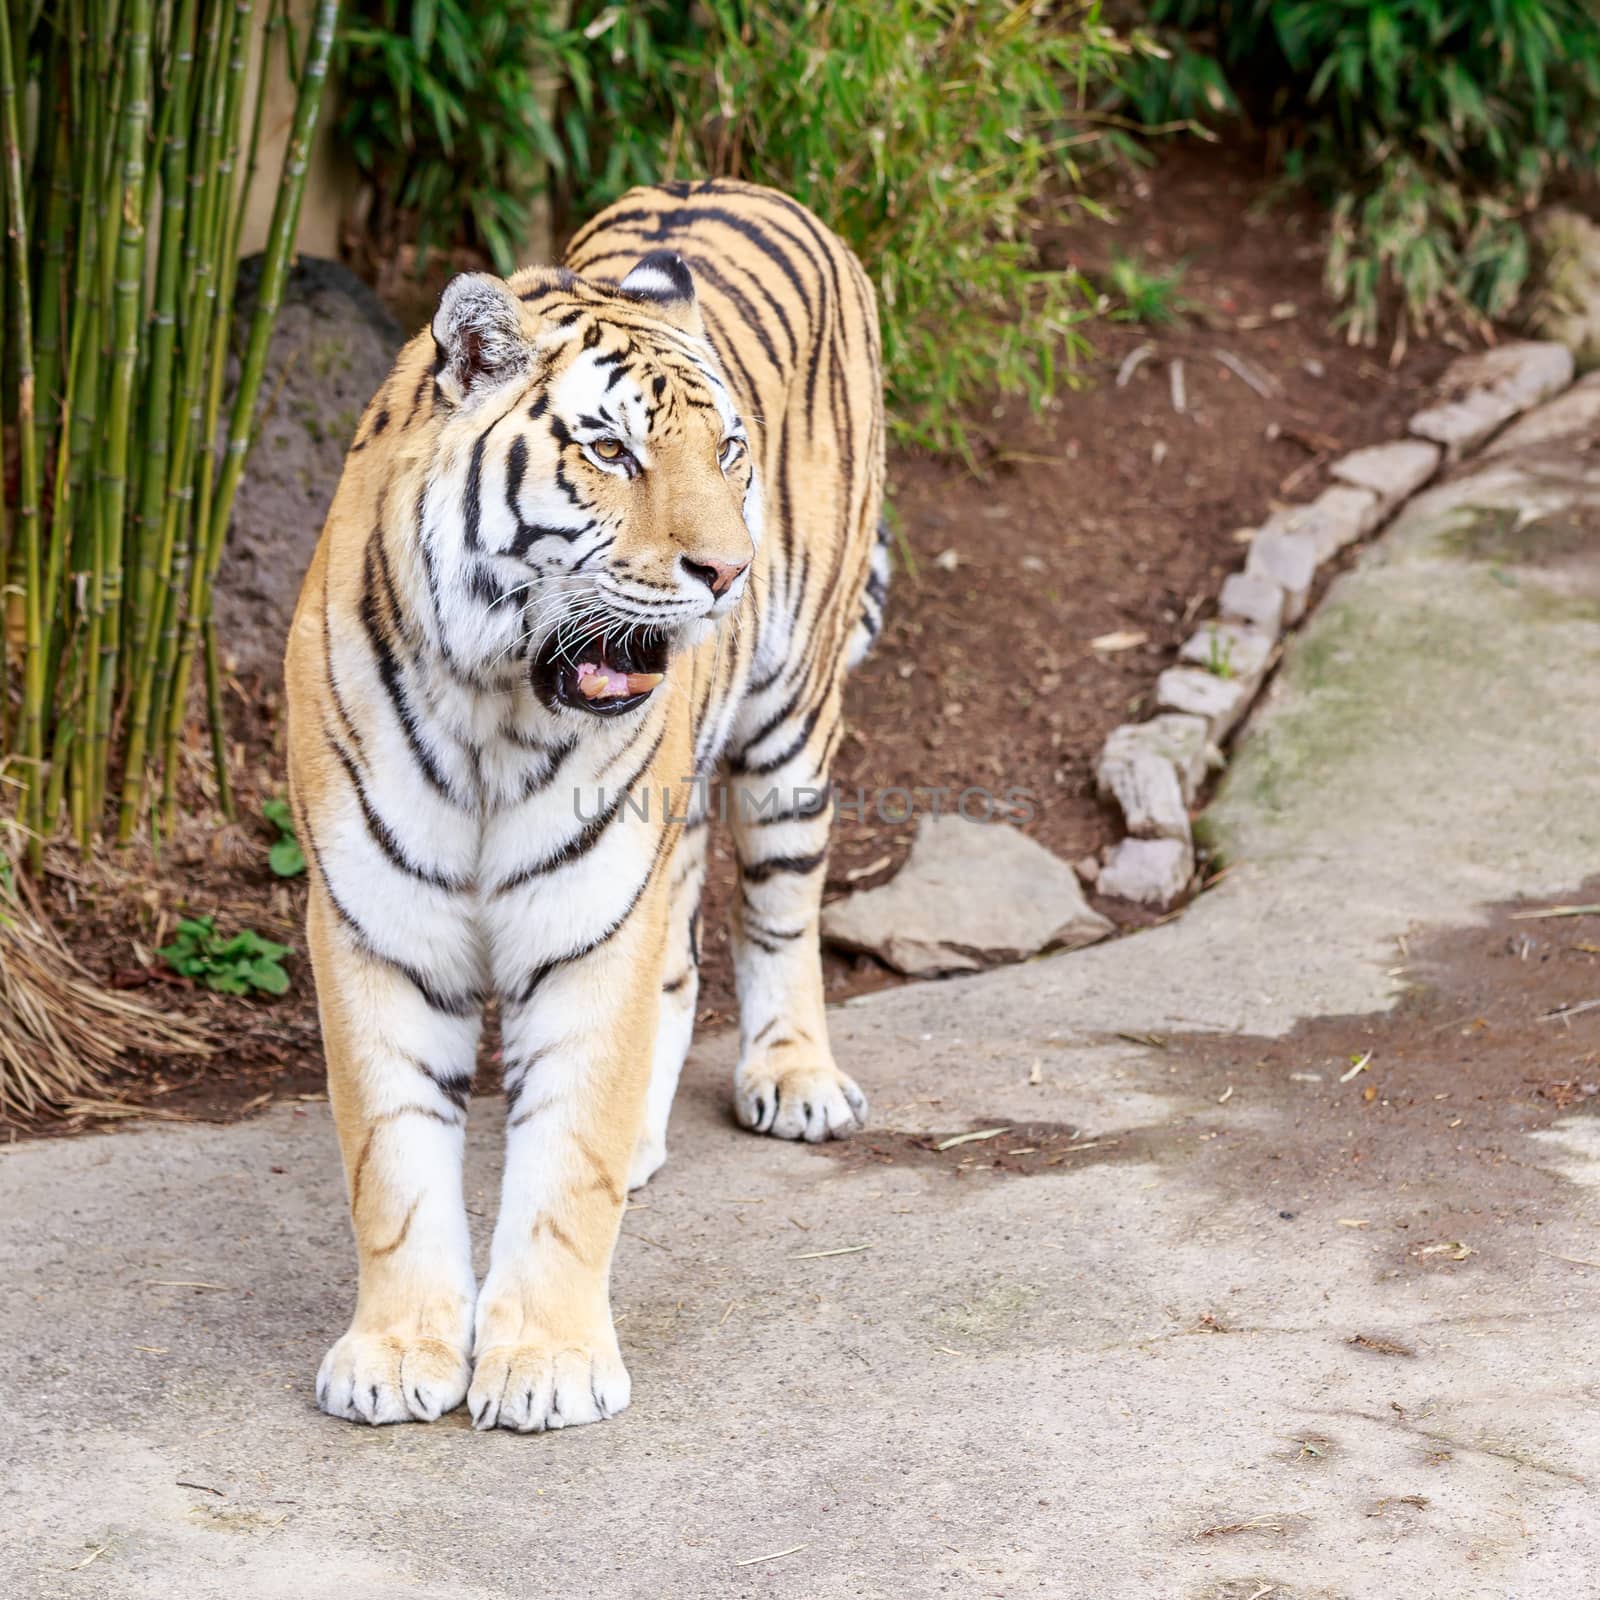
(1111, 514)
(1493, 1037)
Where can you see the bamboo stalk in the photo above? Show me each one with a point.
(219, 727)
(156, 530)
(208, 329)
(189, 431)
(33, 687)
(7, 595)
(52, 270)
(128, 306)
(280, 244)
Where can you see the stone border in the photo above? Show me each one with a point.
(1155, 770)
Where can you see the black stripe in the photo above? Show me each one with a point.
(389, 668)
(382, 835)
(454, 1086)
(797, 814)
(472, 505)
(760, 768)
(327, 667)
(543, 971)
(450, 1005)
(760, 871)
(585, 839)
(532, 785)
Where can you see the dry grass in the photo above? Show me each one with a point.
(60, 1030)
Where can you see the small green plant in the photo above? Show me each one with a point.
(1219, 656)
(285, 857)
(238, 965)
(1145, 294)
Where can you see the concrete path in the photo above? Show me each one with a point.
(1127, 1375)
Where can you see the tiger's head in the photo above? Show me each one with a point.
(592, 503)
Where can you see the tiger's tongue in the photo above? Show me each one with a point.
(605, 683)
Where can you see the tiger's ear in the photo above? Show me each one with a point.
(478, 333)
(662, 281)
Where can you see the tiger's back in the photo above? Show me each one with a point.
(611, 526)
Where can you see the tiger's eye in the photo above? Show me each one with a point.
(608, 449)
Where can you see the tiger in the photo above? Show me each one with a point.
(604, 546)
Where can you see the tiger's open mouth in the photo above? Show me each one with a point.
(603, 674)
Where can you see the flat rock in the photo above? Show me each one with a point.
(1393, 472)
(1289, 558)
(1254, 598)
(1219, 702)
(1229, 650)
(970, 894)
(1489, 388)
(1153, 872)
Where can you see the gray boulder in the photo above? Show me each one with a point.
(332, 347)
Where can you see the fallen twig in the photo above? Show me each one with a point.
(1360, 1066)
(970, 1138)
(793, 1550)
(1569, 1011)
(1131, 363)
(1252, 377)
(1576, 1261)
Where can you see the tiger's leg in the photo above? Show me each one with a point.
(787, 1083)
(680, 989)
(577, 1046)
(399, 1073)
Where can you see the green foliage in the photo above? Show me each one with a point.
(1145, 294)
(238, 965)
(125, 157)
(924, 131)
(285, 857)
(1430, 127)
(443, 107)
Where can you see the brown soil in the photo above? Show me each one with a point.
(1111, 513)
(1396, 1114)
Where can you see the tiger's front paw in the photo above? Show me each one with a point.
(377, 1377)
(532, 1387)
(792, 1098)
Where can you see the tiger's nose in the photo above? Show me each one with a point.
(717, 576)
